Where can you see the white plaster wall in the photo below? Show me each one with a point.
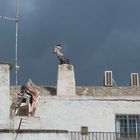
(34, 136)
(6, 136)
(4, 95)
(98, 113)
(27, 122)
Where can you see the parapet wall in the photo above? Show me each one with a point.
(88, 91)
(108, 91)
(116, 92)
(101, 91)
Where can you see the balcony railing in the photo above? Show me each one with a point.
(103, 136)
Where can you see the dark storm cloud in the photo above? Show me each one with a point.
(97, 35)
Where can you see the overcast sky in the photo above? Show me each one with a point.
(97, 35)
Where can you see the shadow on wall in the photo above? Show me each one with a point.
(49, 91)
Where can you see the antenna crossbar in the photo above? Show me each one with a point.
(8, 18)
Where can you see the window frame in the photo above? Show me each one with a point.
(127, 131)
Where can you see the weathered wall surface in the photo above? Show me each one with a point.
(89, 91)
(94, 107)
(34, 136)
(98, 113)
(26, 123)
(108, 91)
(4, 95)
(66, 80)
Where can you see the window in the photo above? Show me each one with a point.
(108, 79)
(128, 126)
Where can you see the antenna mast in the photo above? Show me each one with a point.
(16, 20)
(16, 44)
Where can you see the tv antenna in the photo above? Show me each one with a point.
(16, 20)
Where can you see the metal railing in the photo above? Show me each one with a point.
(104, 136)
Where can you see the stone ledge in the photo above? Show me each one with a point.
(88, 91)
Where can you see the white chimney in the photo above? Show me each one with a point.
(66, 80)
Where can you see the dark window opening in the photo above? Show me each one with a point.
(128, 126)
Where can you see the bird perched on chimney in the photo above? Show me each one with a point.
(59, 55)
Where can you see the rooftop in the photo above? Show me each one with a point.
(89, 91)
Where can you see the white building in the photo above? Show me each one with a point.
(68, 112)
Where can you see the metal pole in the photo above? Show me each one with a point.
(16, 60)
(18, 128)
(16, 44)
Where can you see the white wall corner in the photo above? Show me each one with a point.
(4, 93)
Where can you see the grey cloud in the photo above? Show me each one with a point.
(96, 34)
